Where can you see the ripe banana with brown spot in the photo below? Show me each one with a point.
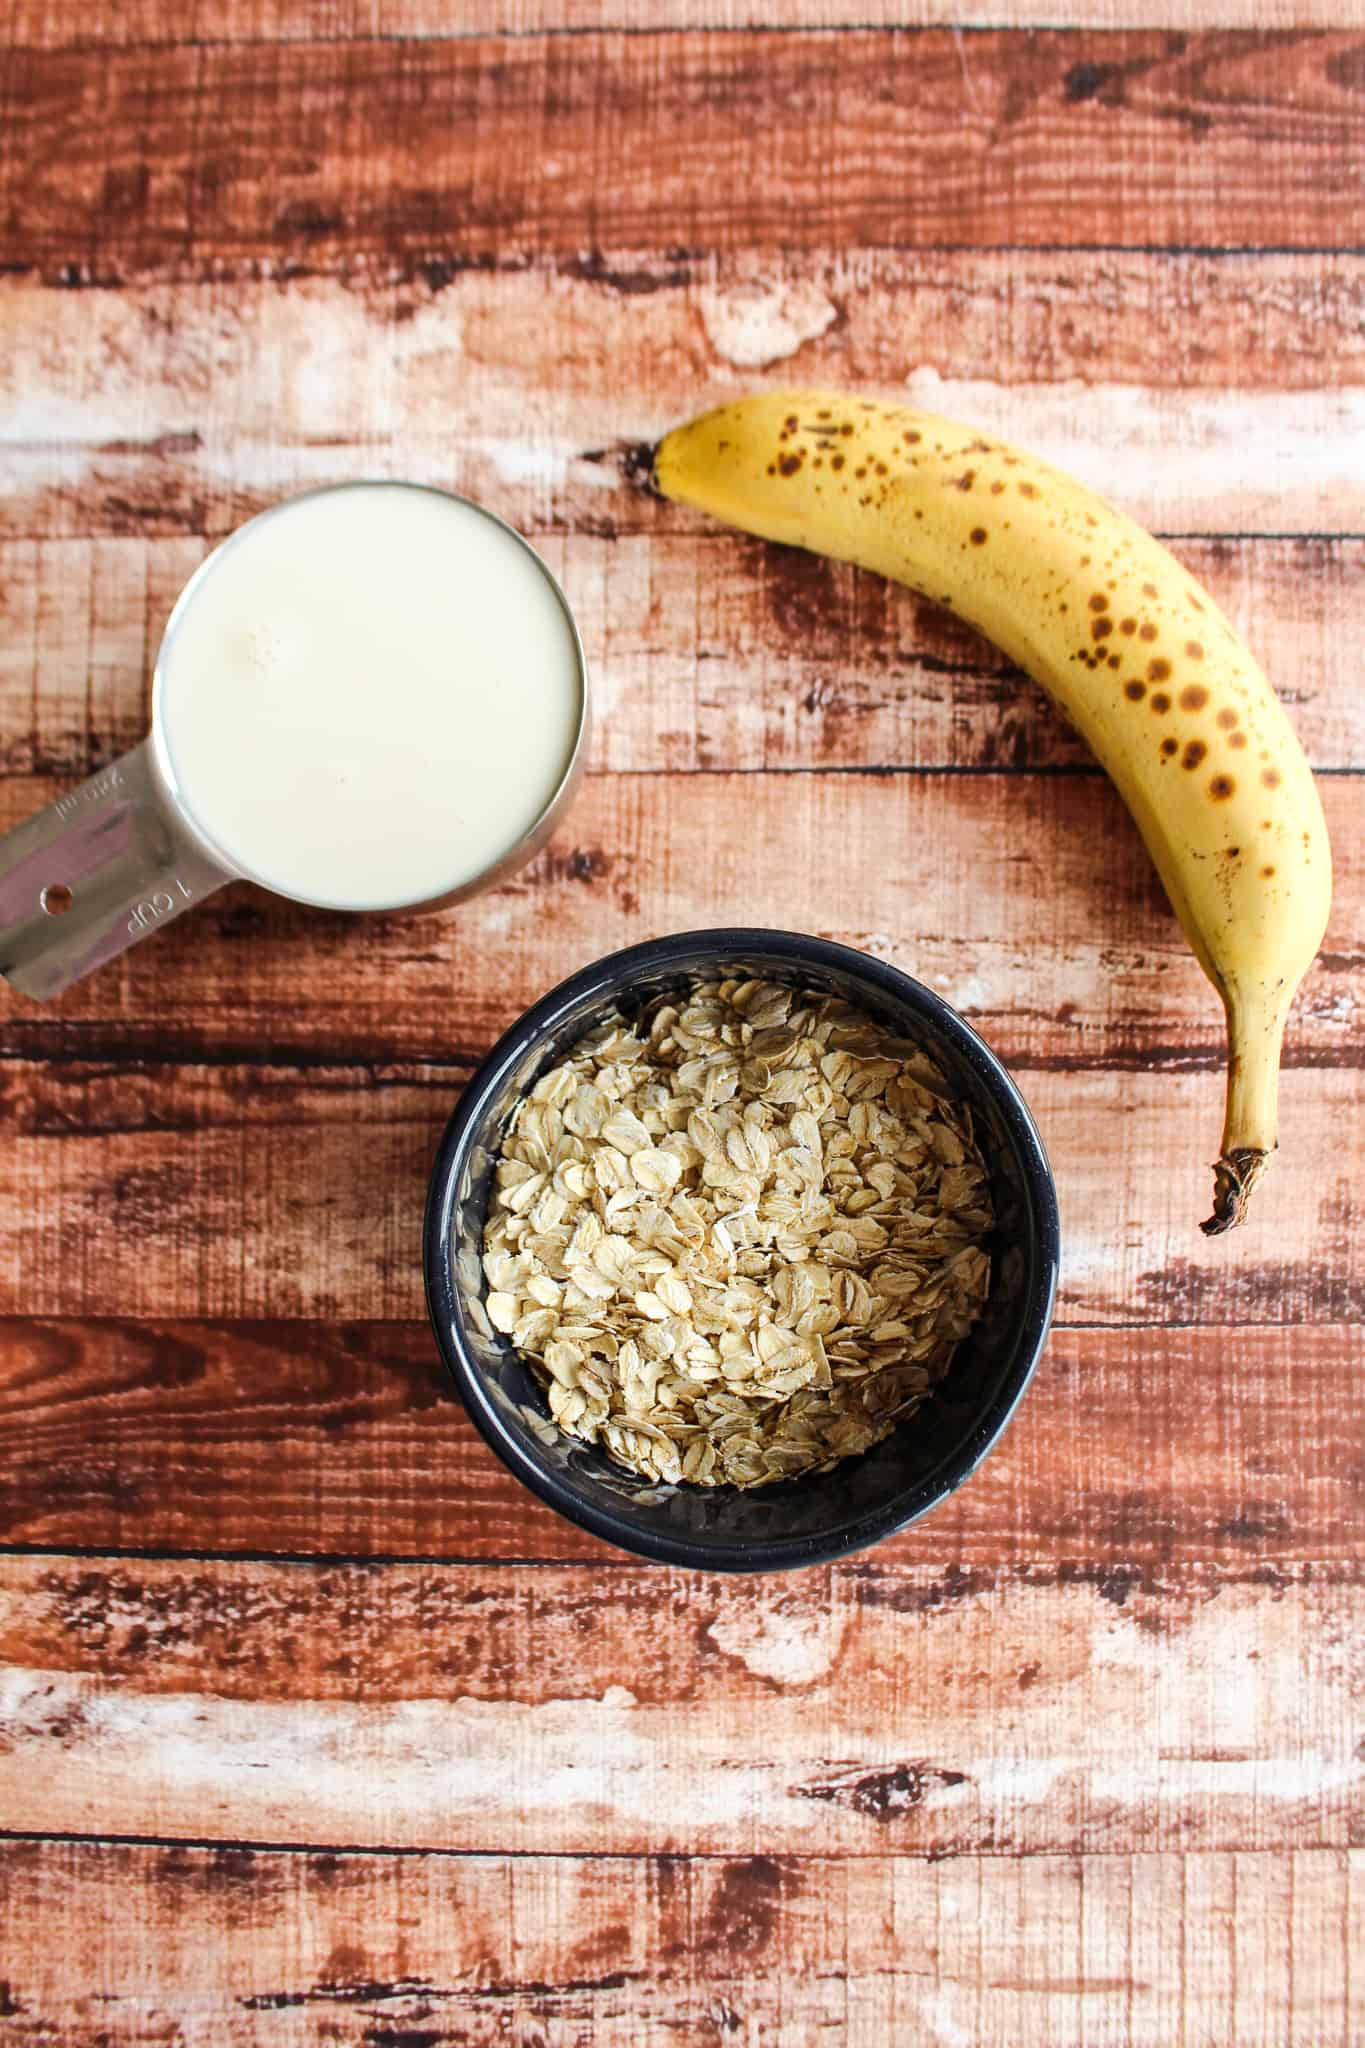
(1136, 654)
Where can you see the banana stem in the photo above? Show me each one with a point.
(1234, 1178)
(1255, 1035)
(637, 465)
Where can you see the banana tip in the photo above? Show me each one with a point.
(637, 466)
(1234, 1180)
(634, 460)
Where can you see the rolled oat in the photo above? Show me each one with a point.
(739, 1239)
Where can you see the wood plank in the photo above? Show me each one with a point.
(226, 1948)
(1220, 1445)
(184, 158)
(66, 24)
(1161, 378)
(706, 651)
(277, 1192)
(1027, 901)
(860, 1709)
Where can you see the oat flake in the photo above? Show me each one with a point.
(740, 1239)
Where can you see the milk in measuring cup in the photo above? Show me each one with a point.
(368, 697)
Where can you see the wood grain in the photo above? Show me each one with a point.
(706, 650)
(1029, 902)
(265, 1191)
(1160, 378)
(862, 1709)
(1199, 1445)
(1076, 1762)
(61, 24)
(183, 159)
(225, 1948)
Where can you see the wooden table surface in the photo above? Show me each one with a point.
(313, 1726)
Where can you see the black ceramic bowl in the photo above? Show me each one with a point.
(794, 1522)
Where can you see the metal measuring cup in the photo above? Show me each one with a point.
(120, 856)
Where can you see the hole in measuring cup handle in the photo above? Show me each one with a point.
(56, 899)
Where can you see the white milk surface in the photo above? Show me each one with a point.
(369, 697)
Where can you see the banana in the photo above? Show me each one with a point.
(1134, 652)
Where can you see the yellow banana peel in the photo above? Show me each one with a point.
(1133, 650)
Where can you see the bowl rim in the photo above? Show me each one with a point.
(767, 1553)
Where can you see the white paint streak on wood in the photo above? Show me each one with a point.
(1267, 450)
(1143, 1719)
(784, 1640)
(756, 322)
(286, 386)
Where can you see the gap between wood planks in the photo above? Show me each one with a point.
(601, 1557)
(83, 277)
(35, 1042)
(226, 1845)
(35, 31)
(70, 24)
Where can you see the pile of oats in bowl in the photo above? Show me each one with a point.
(738, 1239)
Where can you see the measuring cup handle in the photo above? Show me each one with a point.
(92, 874)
